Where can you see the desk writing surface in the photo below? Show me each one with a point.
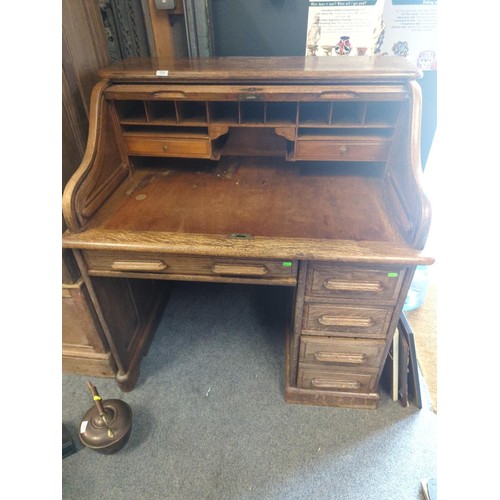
(257, 196)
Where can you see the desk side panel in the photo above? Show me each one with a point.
(103, 168)
(404, 191)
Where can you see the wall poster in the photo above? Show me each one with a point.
(406, 28)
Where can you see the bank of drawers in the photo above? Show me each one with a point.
(331, 363)
(347, 313)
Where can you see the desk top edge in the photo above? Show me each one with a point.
(258, 247)
(263, 69)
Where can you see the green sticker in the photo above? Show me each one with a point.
(286, 264)
(392, 275)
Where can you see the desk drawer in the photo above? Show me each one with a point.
(341, 149)
(346, 321)
(341, 352)
(165, 264)
(310, 377)
(167, 146)
(355, 283)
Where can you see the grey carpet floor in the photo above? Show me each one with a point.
(210, 420)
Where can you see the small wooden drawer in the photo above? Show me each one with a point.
(311, 377)
(167, 146)
(100, 262)
(344, 320)
(357, 283)
(343, 149)
(341, 352)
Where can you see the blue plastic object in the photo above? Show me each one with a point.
(418, 289)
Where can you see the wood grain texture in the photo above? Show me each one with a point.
(84, 347)
(269, 93)
(342, 399)
(265, 69)
(237, 196)
(259, 247)
(328, 351)
(363, 284)
(313, 377)
(101, 170)
(163, 36)
(84, 51)
(404, 190)
(204, 268)
(85, 48)
(346, 320)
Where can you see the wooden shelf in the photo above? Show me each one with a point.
(263, 113)
(372, 122)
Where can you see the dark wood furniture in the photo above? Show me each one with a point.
(300, 172)
(84, 50)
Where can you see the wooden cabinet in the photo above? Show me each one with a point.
(84, 347)
(348, 316)
(298, 172)
(84, 350)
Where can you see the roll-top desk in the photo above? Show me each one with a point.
(300, 172)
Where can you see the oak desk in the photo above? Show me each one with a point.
(301, 172)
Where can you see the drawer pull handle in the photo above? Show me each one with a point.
(353, 286)
(339, 94)
(344, 150)
(145, 265)
(165, 147)
(324, 383)
(327, 320)
(340, 357)
(240, 269)
(170, 94)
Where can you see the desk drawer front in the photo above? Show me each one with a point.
(341, 352)
(167, 146)
(342, 150)
(349, 321)
(102, 261)
(310, 377)
(354, 282)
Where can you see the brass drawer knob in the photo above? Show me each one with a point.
(165, 147)
(344, 149)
